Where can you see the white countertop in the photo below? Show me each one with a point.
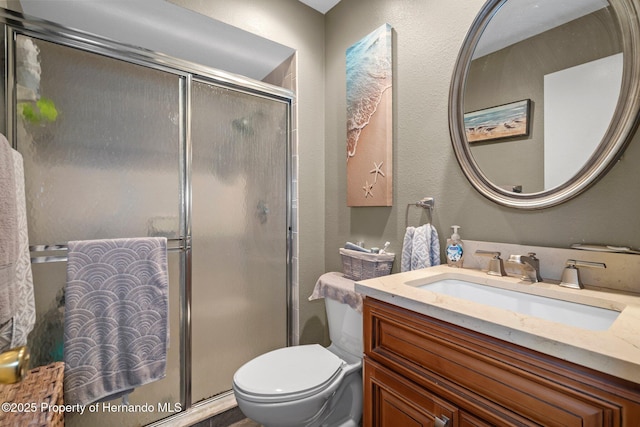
(615, 351)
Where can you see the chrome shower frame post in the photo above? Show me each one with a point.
(291, 321)
(9, 84)
(186, 261)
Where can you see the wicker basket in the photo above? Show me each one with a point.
(41, 385)
(358, 265)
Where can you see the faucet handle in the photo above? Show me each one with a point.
(571, 275)
(496, 265)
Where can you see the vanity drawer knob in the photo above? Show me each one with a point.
(442, 421)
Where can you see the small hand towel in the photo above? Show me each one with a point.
(434, 247)
(116, 309)
(420, 248)
(407, 248)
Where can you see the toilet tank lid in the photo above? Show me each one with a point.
(287, 371)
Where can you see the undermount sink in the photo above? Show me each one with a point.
(556, 310)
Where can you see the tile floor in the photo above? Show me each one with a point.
(245, 423)
(231, 418)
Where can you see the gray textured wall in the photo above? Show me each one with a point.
(427, 37)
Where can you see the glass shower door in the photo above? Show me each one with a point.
(106, 166)
(239, 229)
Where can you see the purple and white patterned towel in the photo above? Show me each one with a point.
(116, 310)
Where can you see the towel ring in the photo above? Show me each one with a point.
(427, 203)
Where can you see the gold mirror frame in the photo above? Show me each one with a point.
(621, 129)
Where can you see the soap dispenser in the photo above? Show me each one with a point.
(455, 250)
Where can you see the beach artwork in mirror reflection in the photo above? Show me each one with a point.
(503, 121)
(369, 120)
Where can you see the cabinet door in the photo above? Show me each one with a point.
(393, 401)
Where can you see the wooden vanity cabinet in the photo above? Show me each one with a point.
(420, 371)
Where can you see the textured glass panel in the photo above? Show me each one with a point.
(239, 232)
(102, 160)
(108, 165)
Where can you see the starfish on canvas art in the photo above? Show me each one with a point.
(368, 189)
(377, 170)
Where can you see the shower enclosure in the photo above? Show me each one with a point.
(119, 144)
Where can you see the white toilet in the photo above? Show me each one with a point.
(308, 385)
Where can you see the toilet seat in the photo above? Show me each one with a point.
(288, 373)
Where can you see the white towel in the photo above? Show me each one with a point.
(8, 234)
(15, 331)
(25, 316)
(116, 309)
(420, 248)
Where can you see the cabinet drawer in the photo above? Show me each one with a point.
(393, 401)
(497, 381)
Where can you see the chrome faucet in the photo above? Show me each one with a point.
(529, 264)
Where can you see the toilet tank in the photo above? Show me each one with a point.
(345, 327)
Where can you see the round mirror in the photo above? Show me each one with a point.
(545, 97)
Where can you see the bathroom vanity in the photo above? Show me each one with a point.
(433, 359)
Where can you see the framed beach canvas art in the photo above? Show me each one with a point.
(369, 120)
(503, 121)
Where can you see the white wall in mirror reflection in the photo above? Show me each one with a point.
(579, 103)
